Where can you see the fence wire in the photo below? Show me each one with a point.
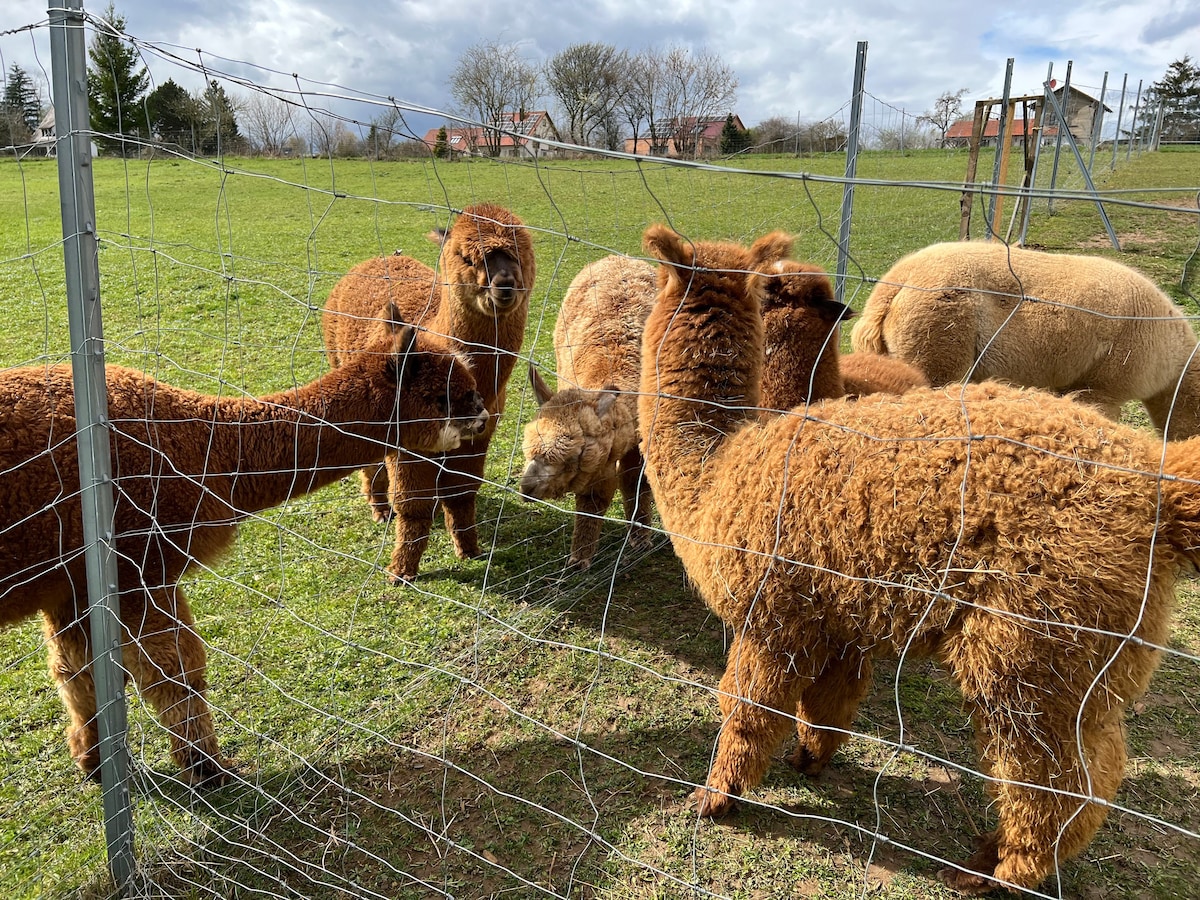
(507, 725)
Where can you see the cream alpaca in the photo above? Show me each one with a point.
(977, 311)
(584, 438)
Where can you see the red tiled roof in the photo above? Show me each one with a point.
(991, 129)
(473, 136)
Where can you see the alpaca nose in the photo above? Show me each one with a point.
(481, 414)
(531, 480)
(504, 291)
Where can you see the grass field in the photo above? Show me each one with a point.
(505, 727)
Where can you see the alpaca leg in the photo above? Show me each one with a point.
(375, 488)
(590, 507)
(414, 498)
(637, 500)
(70, 666)
(458, 486)
(167, 660)
(758, 695)
(1039, 829)
(827, 709)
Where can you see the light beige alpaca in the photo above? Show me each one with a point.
(981, 310)
(1013, 536)
(187, 468)
(479, 297)
(584, 438)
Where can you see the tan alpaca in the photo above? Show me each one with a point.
(1012, 535)
(479, 296)
(981, 310)
(186, 469)
(584, 438)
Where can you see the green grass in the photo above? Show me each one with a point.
(505, 723)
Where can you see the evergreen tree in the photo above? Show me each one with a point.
(172, 114)
(441, 146)
(116, 85)
(218, 116)
(1178, 94)
(20, 110)
(733, 139)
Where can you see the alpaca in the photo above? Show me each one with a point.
(479, 297)
(870, 373)
(186, 468)
(1024, 541)
(978, 310)
(584, 439)
(802, 362)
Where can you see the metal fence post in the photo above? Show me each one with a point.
(860, 70)
(68, 60)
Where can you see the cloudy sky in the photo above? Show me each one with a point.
(791, 59)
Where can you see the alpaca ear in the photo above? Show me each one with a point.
(771, 248)
(438, 236)
(832, 311)
(667, 246)
(540, 389)
(608, 396)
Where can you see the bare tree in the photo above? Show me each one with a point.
(774, 135)
(947, 109)
(491, 83)
(267, 122)
(588, 80)
(386, 131)
(707, 90)
(675, 92)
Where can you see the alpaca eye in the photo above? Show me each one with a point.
(443, 405)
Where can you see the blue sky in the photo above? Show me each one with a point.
(791, 59)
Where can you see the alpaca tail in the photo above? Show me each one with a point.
(867, 334)
(1181, 497)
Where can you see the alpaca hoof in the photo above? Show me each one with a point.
(971, 883)
(398, 579)
(468, 552)
(381, 515)
(806, 762)
(712, 804)
(206, 773)
(579, 564)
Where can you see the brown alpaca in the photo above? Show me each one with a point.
(802, 362)
(1014, 536)
(584, 438)
(186, 469)
(1086, 325)
(479, 296)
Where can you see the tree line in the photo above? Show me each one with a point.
(599, 96)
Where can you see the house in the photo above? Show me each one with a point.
(45, 138)
(959, 133)
(688, 138)
(522, 134)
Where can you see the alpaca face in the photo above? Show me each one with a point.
(487, 259)
(439, 406)
(568, 446)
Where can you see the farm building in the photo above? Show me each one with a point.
(1080, 110)
(527, 135)
(689, 138)
(959, 133)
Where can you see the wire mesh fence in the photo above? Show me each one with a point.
(511, 725)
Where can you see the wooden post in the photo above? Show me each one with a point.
(982, 108)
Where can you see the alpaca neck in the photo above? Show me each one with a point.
(293, 442)
(481, 336)
(701, 376)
